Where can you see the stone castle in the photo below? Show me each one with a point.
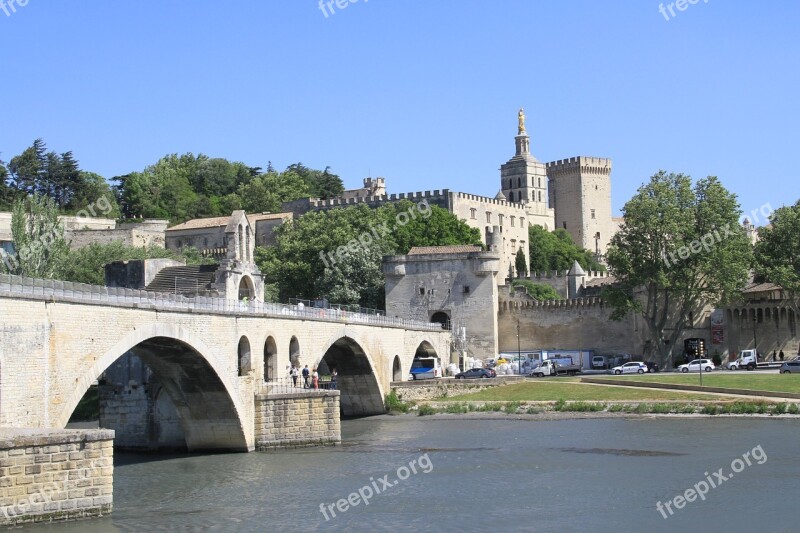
(573, 194)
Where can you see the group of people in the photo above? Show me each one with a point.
(310, 377)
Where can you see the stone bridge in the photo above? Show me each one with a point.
(211, 356)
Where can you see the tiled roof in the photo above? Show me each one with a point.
(458, 249)
(762, 287)
(199, 223)
(268, 216)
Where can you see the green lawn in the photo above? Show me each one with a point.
(553, 391)
(728, 379)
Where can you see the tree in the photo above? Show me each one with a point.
(537, 291)
(357, 279)
(322, 184)
(679, 249)
(38, 239)
(268, 191)
(520, 264)
(556, 251)
(7, 193)
(777, 252)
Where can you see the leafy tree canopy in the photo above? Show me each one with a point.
(679, 248)
(777, 252)
(40, 247)
(556, 251)
(310, 245)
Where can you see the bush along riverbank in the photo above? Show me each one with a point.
(708, 408)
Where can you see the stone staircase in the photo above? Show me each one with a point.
(184, 279)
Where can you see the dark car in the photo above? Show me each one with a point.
(475, 373)
(651, 366)
(791, 367)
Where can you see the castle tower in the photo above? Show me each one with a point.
(523, 179)
(580, 193)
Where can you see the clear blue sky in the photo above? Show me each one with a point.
(422, 92)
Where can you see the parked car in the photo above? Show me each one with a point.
(790, 367)
(633, 367)
(734, 365)
(694, 366)
(474, 373)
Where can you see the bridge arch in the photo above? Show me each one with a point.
(244, 356)
(209, 404)
(361, 392)
(425, 349)
(270, 358)
(246, 289)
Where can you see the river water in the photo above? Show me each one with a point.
(475, 474)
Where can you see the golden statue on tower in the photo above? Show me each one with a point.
(521, 117)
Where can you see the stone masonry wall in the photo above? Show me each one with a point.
(50, 475)
(295, 420)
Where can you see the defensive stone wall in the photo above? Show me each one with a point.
(48, 475)
(292, 420)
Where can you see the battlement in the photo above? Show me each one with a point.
(512, 306)
(583, 164)
(316, 203)
(487, 200)
(594, 274)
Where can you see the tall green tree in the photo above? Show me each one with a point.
(777, 252)
(520, 264)
(680, 248)
(556, 251)
(322, 184)
(268, 191)
(40, 247)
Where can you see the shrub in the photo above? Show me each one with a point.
(710, 409)
(394, 404)
(793, 409)
(456, 408)
(425, 410)
(511, 407)
(779, 409)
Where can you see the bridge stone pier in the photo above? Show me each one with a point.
(212, 358)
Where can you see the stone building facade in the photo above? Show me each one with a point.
(572, 193)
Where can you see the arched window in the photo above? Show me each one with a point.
(245, 363)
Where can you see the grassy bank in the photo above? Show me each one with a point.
(533, 391)
(561, 406)
(728, 379)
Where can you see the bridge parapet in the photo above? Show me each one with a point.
(64, 291)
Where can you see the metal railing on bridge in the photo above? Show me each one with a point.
(53, 290)
(297, 384)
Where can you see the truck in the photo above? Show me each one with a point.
(749, 359)
(551, 367)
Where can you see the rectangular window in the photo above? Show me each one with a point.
(473, 213)
(513, 246)
(422, 291)
(500, 218)
(488, 217)
(592, 214)
(512, 221)
(466, 289)
(521, 222)
(565, 225)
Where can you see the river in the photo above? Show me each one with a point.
(475, 474)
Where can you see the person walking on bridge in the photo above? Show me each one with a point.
(306, 375)
(315, 379)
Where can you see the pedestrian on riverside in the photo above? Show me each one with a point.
(293, 374)
(334, 374)
(781, 355)
(315, 379)
(306, 373)
(774, 355)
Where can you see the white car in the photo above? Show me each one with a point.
(696, 365)
(634, 367)
(734, 365)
